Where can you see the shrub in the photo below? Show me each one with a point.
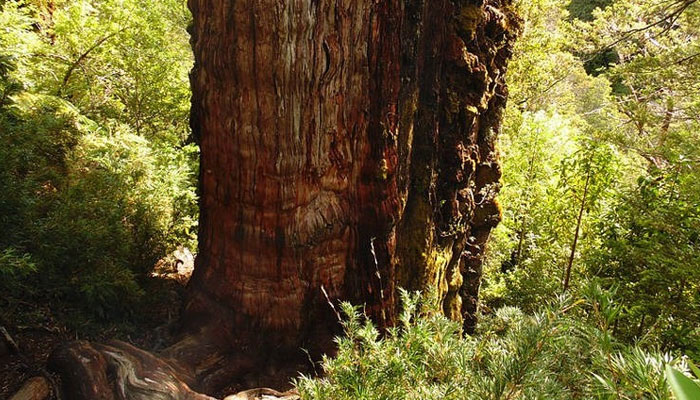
(14, 269)
(112, 220)
(95, 207)
(564, 351)
(98, 183)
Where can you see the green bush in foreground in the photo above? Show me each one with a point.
(565, 351)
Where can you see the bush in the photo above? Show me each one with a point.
(97, 181)
(564, 351)
(95, 207)
(112, 221)
(14, 269)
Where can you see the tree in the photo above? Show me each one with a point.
(594, 167)
(556, 116)
(347, 148)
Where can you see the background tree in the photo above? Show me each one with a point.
(629, 89)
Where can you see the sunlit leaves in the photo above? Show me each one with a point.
(609, 93)
(98, 182)
(562, 351)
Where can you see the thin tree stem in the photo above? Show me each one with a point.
(567, 276)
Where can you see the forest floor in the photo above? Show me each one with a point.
(38, 328)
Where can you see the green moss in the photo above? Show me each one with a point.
(471, 109)
(468, 19)
(425, 264)
(415, 240)
(452, 306)
(435, 275)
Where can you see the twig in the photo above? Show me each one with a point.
(313, 364)
(10, 342)
(673, 17)
(379, 276)
(83, 56)
(677, 62)
(330, 303)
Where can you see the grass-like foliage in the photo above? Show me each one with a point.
(564, 351)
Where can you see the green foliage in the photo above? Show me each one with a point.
(583, 9)
(98, 179)
(563, 351)
(604, 102)
(650, 248)
(14, 269)
(683, 387)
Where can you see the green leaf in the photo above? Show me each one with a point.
(695, 369)
(682, 386)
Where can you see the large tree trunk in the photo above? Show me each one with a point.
(347, 148)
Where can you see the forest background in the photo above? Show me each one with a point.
(600, 194)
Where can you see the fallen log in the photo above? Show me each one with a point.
(36, 388)
(118, 370)
(13, 348)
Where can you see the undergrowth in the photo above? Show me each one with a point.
(564, 351)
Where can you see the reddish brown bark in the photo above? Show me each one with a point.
(329, 129)
(347, 147)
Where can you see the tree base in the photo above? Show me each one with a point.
(194, 368)
(118, 370)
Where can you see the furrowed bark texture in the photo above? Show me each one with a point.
(347, 149)
(347, 146)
